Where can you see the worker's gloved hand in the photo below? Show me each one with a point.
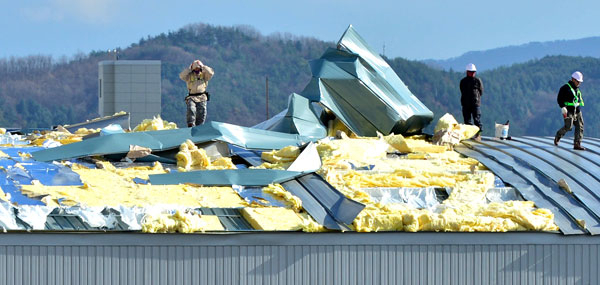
(564, 112)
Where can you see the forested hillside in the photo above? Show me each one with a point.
(38, 91)
(525, 93)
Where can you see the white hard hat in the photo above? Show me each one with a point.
(577, 76)
(471, 67)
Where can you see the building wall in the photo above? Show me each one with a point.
(298, 258)
(133, 86)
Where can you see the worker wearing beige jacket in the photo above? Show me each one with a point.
(196, 77)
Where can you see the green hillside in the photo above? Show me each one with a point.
(38, 91)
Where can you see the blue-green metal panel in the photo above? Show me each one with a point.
(228, 177)
(170, 139)
(354, 73)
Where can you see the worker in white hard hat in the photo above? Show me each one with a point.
(570, 102)
(471, 89)
(196, 77)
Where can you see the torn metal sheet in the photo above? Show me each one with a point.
(308, 160)
(339, 206)
(252, 157)
(255, 194)
(120, 119)
(531, 185)
(170, 139)
(227, 177)
(363, 91)
(313, 207)
(299, 118)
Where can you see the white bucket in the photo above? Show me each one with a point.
(501, 131)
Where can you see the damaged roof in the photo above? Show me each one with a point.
(359, 88)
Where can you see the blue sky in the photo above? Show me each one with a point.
(436, 29)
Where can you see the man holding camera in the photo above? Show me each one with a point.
(196, 77)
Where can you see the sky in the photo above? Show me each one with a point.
(423, 29)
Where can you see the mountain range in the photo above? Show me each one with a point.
(506, 56)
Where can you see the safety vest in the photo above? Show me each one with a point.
(578, 100)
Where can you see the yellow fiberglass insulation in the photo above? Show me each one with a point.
(86, 131)
(154, 124)
(273, 219)
(279, 159)
(190, 157)
(180, 222)
(123, 191)
(279, 192)
(280, 219)
(408, 145)
(464, 210)
(448, 122)
(64, 137)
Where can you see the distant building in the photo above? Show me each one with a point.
(133, 86)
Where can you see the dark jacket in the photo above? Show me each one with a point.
(471, 89)
(566, 95)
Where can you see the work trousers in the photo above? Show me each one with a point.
(572, 119)
(475, 112)
(196, 113)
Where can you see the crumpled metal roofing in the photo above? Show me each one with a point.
(534, 166)
(361, 89)
(299, 118)
(171, 139)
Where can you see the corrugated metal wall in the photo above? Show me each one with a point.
(201, 263)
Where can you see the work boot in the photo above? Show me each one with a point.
(556, 140)
(578, 146)
(477, 138)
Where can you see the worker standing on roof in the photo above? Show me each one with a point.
(570, 102)
(471, 89)
(196, 77)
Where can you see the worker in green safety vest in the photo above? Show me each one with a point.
(570, 102)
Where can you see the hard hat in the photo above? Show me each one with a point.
(471, 67)
(197, 64)
(577, 76)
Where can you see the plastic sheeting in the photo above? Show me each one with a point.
(7, 217)
(34, 216)
(361, 89)
(169, 139)
(420, 198)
